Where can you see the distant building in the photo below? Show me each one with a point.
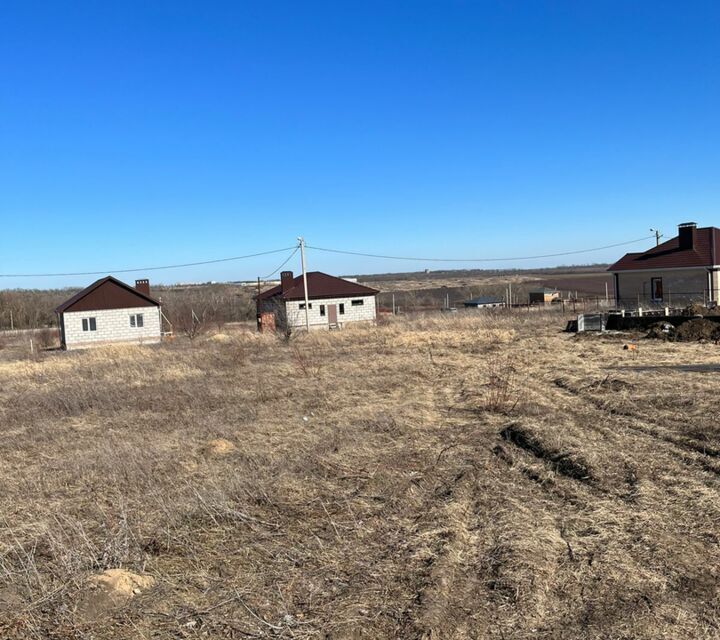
(543, 295)
(110, 311)
(333, 302)
(683, 270)
(484, 302)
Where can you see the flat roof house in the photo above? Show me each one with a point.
(484, 302)
(110, 311)
(333, 302)
(681, 271)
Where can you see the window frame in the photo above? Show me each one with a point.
(89, 324)
(301, 306)
(137, 321)
(341, 308)
(653, 289)
(322, 310)
(358, 302)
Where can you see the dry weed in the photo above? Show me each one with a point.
(482, 476)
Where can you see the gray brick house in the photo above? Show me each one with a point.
(110, 311)
(333, 302)
(683, 270)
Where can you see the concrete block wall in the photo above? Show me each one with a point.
(113, 325)
(358, 313)
(680, 287)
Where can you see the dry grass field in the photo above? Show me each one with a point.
(470, 476)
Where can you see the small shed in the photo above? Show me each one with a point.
(484, 302)
(110, 311)
(543, 295)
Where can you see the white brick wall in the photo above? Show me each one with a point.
(360, 313)
(113, 325)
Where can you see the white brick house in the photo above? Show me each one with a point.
(110, 311)
(333, 302)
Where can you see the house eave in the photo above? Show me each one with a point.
(700, 266)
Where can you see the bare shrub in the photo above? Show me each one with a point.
(194, 329)
(306, 361)
(498, 392)
(191, 325)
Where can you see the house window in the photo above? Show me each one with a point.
(656, 288)
(302, 306)
(322, 310)
(358, 303)
(89, 324)
(136, 320)
(341, 308)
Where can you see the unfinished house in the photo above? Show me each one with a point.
(110, 311)
(332, 303)
(678, 272)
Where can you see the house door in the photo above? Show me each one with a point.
(332, 314)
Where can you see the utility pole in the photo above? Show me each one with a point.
(305, 287)
(658, 235)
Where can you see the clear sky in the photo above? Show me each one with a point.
(148, 133)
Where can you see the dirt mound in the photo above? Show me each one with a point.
(219, 447)
(111, 589)
(661, 331)
(694, 310)
(698, 330)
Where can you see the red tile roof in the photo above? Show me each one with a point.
(320, 285)
(669, 255)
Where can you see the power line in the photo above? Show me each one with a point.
(294, 250)
(547, 255)
(170, 266)
(270, 275)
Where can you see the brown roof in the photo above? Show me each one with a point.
(669, 255)
(107, 293)
(320, 285)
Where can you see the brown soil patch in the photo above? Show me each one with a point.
(111, 589)
(219, 447)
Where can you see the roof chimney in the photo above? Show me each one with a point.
(286, 280)
(686, 235)
(143, 286)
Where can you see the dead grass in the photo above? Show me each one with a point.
(473, 476)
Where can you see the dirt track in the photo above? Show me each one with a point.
(462, 478)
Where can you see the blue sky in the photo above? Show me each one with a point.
(150, 133)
